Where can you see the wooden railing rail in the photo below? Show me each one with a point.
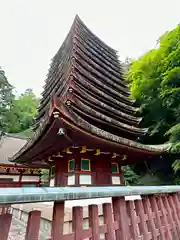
(155, 216)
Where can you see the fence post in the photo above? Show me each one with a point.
(5, 224)
(157, 216)
(77, 222)
(133, 219)
(176, 200)
(33, 225)
(58, 220)
(170, 217)
(142, 217)
(164, 218)
(108, 220)
(120, 213)
(150, 222)
(175, 213)
(94, 221)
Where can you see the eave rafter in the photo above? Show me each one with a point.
(84, 152)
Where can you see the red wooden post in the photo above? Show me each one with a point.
(122, 176)
(77, 222)
(108, 220)
(175, 213)
(133, 219)
(164, 218)
(61, 168)
(120, 214)
(94, 221)
(176, 200)
(142, 217)
(5, 224)
(20, 178)
(170, 217)
(33, 225)
(150, 222)
(58, 220)
(157, 216)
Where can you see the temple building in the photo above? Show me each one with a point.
(16, 175)
(87, 126)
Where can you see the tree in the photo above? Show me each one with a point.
(155, 84)
(130, 177)
(6, 98)
(23, 111)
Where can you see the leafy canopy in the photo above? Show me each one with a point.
(6, 97)
(22, 112)
(16, 113)
(155, 84)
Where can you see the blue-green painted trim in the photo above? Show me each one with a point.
(27, 195)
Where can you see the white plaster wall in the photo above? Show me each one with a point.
(14, 177)
(85, 179)
(30, 179)
(116, 180)
(52, 183)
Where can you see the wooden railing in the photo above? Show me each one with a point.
(155, 216)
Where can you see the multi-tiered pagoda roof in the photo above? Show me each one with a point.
(86, 102)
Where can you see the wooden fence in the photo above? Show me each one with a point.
(153, 217)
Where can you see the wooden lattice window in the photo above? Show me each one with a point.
(71, 165)
(85, 165)
(115, 167)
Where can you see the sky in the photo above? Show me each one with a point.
(31, 31)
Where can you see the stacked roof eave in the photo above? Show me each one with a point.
(86, 87)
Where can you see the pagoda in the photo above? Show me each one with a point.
(87, 126)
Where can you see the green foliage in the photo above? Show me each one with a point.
(176, 165)
(25, 134)
(45, 174)
(22, 113)
(155, 84)
(16, 113)
(6, 97)
(174, 134)
(131, 178)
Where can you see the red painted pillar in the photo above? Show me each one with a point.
(5, 224)
(33, 225)
(77, 167)
(122, 176)
(61, 170)
(93, 170)
(20, 178)
(102, 166)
